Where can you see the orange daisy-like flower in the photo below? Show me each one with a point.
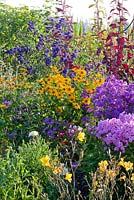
(86, 101)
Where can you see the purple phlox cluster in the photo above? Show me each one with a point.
(129, 98)
(117, 132)
(112, 98)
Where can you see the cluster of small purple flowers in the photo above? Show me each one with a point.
(52, 127)
(52, 43)
(55, 44)
(20, 52)
(60, 33)
(112, 98)
(117, 132)
(59, 129)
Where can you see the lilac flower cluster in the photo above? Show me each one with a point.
(112, 98)
(117, 132)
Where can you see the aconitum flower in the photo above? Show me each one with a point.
(31, 26)
(117, 132)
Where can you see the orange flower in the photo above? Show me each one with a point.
(86, 101)
(76, 106)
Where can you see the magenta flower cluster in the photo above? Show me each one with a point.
(117, 132)
(112, 98)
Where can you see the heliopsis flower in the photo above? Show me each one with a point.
(72, 98)
(59, 109)
(76, 106)
(40, 91)
(81, 136)
(68, 177)
(53, 92)
(59, 95)
(86, 101)
(89, 90)
(69, 90)
(41, 81)
(81, 72)
(46, 161)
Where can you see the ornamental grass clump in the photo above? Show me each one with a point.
(117, 133)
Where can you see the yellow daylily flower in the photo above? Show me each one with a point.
(45, 161)
(103, 165)
(68, 177)
(81, 136)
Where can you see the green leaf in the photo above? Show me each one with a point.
(91, 5)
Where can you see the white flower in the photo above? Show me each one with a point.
(131, 122)
(33, 134)
(64, 169)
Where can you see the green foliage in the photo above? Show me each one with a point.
(22, 175)
(15, 20)
(55, 101)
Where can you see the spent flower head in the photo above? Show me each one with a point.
(33, 134)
